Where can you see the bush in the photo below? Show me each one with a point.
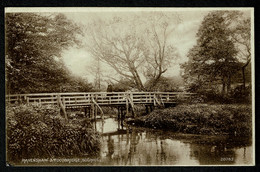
(236, 95)
(232, 119)
(37, 132)
(241, 95)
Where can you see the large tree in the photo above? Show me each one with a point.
(239, 27)
(213, 58)
(134, 45)
(241, 35)
(34, 43)
(159, 52)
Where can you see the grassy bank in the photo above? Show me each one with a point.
(201, 119)
(40, 132)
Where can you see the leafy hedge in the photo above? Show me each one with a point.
(201, 119)
(34, 131)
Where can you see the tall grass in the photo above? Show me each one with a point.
(37, 132)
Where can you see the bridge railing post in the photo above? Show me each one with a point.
(92, 110)
(61, 104)
(127, 106)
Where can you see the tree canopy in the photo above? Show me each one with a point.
(34, 43)
(214, 59)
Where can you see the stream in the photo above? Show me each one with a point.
(128, 145)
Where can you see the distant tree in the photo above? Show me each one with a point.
(167, 84)
(96, 70)
(132, 46)
(213, 58)
(123, 85)
(109, 88)
(34, 43)
(76, 84)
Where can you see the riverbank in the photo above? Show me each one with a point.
(231, 119)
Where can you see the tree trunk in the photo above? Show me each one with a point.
(141, 87)
(243, 74)
(137, 78)
(244, 78)
(155, 81)
(139, 84)
(223, 86)
(228, 84)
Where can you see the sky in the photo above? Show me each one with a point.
(79, 60)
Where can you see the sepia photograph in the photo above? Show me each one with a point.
(129, 86)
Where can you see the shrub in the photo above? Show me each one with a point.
(34, 131)
(232, 119)
(236, 95)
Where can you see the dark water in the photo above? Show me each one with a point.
(127, 145)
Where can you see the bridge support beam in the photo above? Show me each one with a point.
(96, 108)
(149, 108)
(118, 112)
(121, 112)
(85, 112)
(92, 111)
(121, 115)
(89, 112)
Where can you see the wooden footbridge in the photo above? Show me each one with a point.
(93, 101)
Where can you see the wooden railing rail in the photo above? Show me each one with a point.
(101, 98)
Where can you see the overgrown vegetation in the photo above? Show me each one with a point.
(34, 47)
(219, 64)
(201, 119)
(236, 95)
(40, 132)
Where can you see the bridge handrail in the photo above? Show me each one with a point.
(102, 98)
(95, 93)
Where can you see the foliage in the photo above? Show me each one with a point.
(34, 43)
(213, 95)
(165, 84)
(38, 132)
(241, 36)
(234, 119)
(123, 85)
(241, 95)
(77, 84)
(214, 59)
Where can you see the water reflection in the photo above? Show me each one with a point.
(110, 146)
(125, 145)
